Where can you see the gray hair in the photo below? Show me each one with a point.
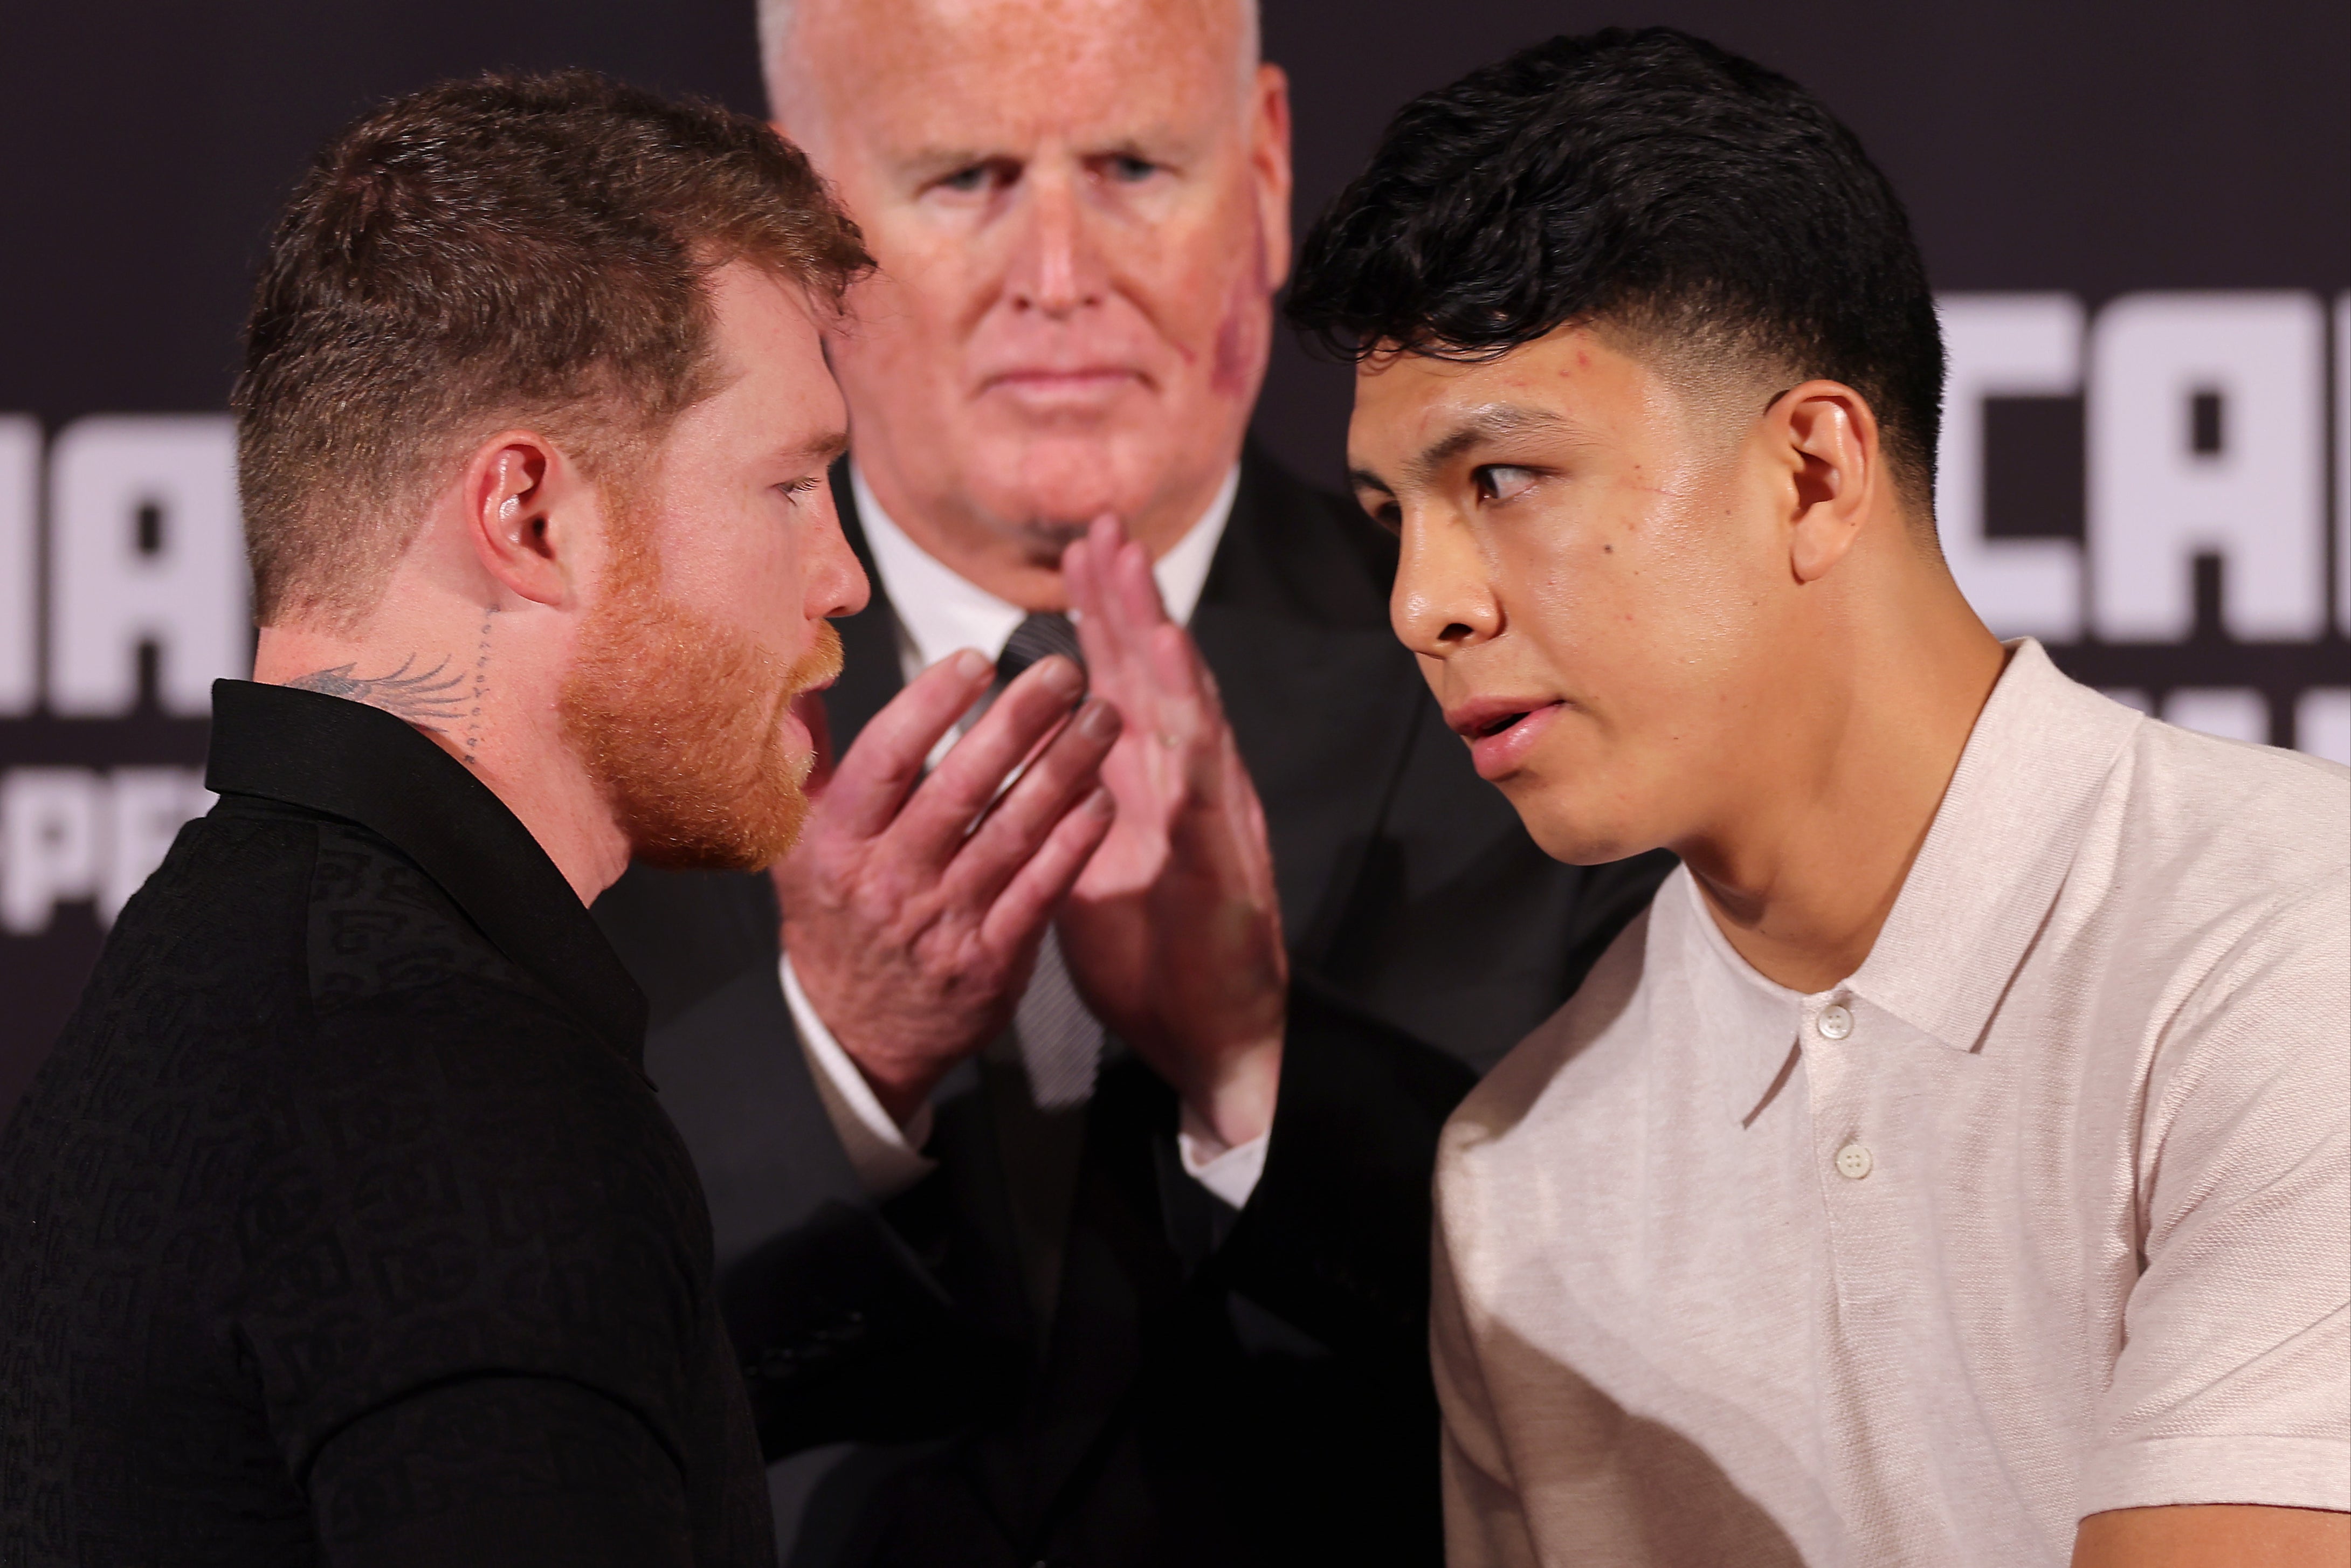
(777, 17)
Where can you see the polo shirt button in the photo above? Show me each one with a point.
(1853, 1162)
(1836, 1022)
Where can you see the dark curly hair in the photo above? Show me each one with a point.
(504, 249)
(1648, 180)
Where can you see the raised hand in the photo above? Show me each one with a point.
(1172, 931)
(912, 907)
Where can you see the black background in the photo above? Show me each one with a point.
(2093, 148)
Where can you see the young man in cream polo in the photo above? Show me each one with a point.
(1950, 1168)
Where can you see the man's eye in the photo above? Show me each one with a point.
(1501, 482)
(967, 181)
(1385, 515)
(1127, 169)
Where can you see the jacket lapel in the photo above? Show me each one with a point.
(1317, 717)
(1293, 621)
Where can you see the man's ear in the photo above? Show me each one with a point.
(1826, 434)
(527, 515)
(1269, 158)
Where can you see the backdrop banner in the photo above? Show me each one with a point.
(2138, 216)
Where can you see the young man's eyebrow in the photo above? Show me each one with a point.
(1491, 422)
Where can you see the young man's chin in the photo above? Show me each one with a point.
(1569, 829)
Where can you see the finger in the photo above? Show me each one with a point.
(934, 822)
(1016, 825)
(1220, 827)
(1077, 581)
(1137, 590)
(871, 781)
(1175, 670)
(1187, 728)
(1102, 631)
(1183, 666)
(1044, 880)
(1210, 693)
(1128, 607)
(1137, 615)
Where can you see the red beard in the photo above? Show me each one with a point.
(682, 722)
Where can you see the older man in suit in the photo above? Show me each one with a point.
(1010, 1285)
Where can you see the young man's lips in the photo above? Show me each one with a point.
(1502, 734)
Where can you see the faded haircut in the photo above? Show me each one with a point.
(1711, 211)
(502, 250)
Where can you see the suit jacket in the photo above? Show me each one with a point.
(1207, 1387)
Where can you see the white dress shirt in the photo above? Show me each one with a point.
(940, 612)
(2040, 1213)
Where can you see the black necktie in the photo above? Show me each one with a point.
(1061, 1043)
(1057, 1047)
(1048, 632)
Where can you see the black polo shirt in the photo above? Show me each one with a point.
(342, 1224)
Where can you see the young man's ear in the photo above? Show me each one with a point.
(523, 503)
(1828, 437)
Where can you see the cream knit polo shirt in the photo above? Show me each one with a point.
(2045, 1211)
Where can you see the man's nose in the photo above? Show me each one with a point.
(1444, 599)
(832, 581)
(1057, 265)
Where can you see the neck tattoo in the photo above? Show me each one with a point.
(481, 684)
(430, 699)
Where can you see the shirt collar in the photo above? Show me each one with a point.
(1749, 1023)
(1998, 849)
(939, 611)
(2000, 846)
(347, 759)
